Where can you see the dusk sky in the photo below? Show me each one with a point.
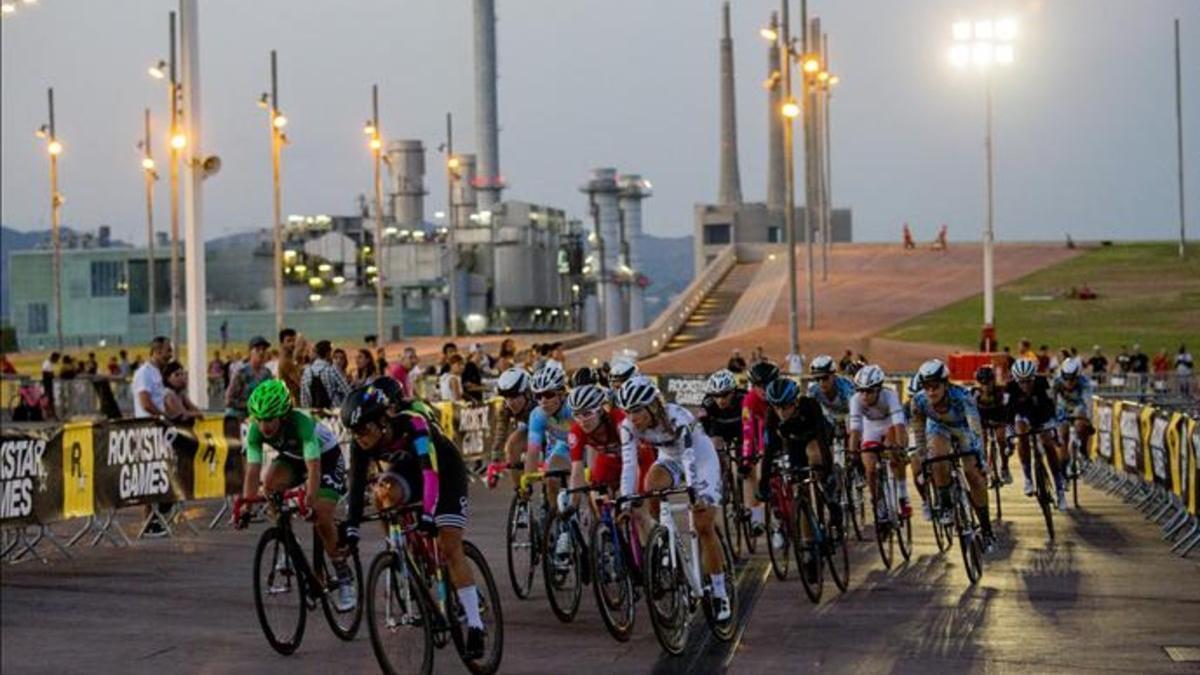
(1085, 118)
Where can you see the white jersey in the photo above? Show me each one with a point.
(681, 443)
(873, 421)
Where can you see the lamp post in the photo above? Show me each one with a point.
(453, 173)
(54, 148)
(375, 143)
(982, 45)
(151, 175)
(276, 122)
(177, 141)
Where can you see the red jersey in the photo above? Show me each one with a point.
(605, 442)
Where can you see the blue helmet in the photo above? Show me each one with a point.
(782, 391)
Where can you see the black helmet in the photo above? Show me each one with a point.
(782, 391)
(391, 389)
(367, 403)
(586, 375)
(763, 373)
(985, 375)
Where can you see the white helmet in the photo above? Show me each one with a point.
(932, 371)
(586, 398)
(1024, 369)
(822, 365)
(623, 369)
(720, 382)
(914, 384)
(1070, 368)
(549, 378)
(512, 382)
(869, 377)
(637, 392)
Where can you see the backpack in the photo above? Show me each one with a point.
(318, 396)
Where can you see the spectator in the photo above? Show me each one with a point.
(528, 359)
(472, 378)
(364, 367)
(1139, 362)
(448, 350)
(6, 366)
(508, 347)
(224, 333)
(91, 366)
(398, 371)
(558, 353)
(342, 363)
(235, 364)
(795, 363)
(1161, 364)
(450, 382)
(1183, 370)
(737, 364)
(846, 362)
(1025, 350)
(1044, 359)
(543, 356)
(112, 367)
(1098, 363)
(381, 363)
(149, 400)
(48, 367)
(67, 368)
(177, 407)
(1006, 362)
(1124, 361)
(248, 376)
(126, 369)
(322, 386)
(216, 370)
(370, 341)
(287, 367)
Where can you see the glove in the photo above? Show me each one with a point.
(426, 525)
(745, 468)
(241, 517)
(494, 471)
(763, 493)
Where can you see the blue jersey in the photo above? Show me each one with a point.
(1074, 401)
(960, 420)
(838, 405)
(548, 433)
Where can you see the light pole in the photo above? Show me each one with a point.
(826, 80)
(276, 121)
(453, 173)
(1179, 141)
(54, 148)
(982, 45)
(810, 67)
(375, 143)
(177, 141)
(151, 175)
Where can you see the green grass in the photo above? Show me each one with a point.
(1147, 296)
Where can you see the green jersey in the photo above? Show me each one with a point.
(299, 438)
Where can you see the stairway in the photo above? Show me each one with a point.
(708, 318)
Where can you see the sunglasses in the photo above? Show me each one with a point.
(823, 378)
(546, 395)
(587, 416)
(929, 386)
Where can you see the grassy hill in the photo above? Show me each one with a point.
(1146, 294)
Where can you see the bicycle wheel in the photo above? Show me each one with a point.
(837, 552)
(746, 519)
(611, 581)
(522, 544)
(1045, 500)
(904, 536)
(279, 591)
(343, 624)
(1076, 470)
(858, 505)
(969, 538)
(562, 568)
(724, 631)
(885, 534)
(779, 536)
(994, 474)
(730, 497)
(399, 618)
(807, 547)
(666, 593)
(490, 613)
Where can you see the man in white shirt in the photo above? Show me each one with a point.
(795, 364)
(148, 388)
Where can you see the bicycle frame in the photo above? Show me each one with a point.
(666, 518)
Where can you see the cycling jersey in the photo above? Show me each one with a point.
(873, 421)
(605, 444)
(1036, 407)
(548, 433)
(302, 439)
(508, 422)
(426, 465)
(807, 423)
(754, 421)
(684, 451)
(1073, 402)
(989, 400)
(836, 406)
(723, 423)
(956, 418)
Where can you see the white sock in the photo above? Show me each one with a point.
(469, 597)
(903, 490)
(718, 585)
(756, 515)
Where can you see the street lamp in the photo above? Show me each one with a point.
(375, 143)
(453, 174)
(54, 148)
(165, 69)
(276, 121)
(981, 45)
(151, 175)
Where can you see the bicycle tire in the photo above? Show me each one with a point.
(490, 612)
(343, 624)
(283, 643)
(969, 537)
(994, 455)
(609, 573)
(525, 551)
(729, 499)
(781, 558)
(885, 534)
(1041, 483)
(858, 506)
(812, 576)
(419, 614)
(564, 586)
(664, 582)
(746, 518)
(943, 534)
(904, 537)
(838, 556)
(725, 631)
(1076, 470)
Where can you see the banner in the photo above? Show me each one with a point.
(77, 447)
(686, 390)
(1158, 464)
(30, 477)
(138, 464)
(1129, 431)
(1190, 465)
(1102, 441)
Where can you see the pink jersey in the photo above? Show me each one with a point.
(754, 422)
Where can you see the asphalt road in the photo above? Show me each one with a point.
(1106, 597)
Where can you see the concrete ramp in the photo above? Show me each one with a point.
(712, 315)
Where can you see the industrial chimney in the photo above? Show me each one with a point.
(487, 132)
(730, 189)
(775, 169)
(406, 162)
(633, 190)
(602, 191)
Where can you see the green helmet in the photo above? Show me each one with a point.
(269, 400)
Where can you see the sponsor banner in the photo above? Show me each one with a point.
(78, 444)
(472, 429)
(685, 390)
(1189, 469)
(30, 477)
(1102, 441)
(1129, 431)
(138, 464)
(1158, 458)
(209, 458)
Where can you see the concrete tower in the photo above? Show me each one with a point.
(730, 189)
(776, 183)
(406, 163)
(464, 193)
(633, 190)
(487, 129)
(602, 191)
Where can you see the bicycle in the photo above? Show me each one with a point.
(779, 518)
(962, 518)
(738, 518)
(616, 564)
(892, 525)
(817, 541)
(1078, 460)
(410, 607)
(854, 485)
(675, 585)
(565, 573)
(995, 461)
(1043, 484)
(281, 572)
(527, 515)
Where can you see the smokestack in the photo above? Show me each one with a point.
(406, 163)
(633, 190)
(602, 190)
(730, 188)
(487, 131)
(465, 196)
(775, 170)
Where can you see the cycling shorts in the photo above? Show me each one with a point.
(333, 473)
(453, 505)
(964, 440)
(1067, 411)
(708, 475)
(875, 431)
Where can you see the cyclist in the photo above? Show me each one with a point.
(797, 425)
(308, 453)
(915, 456)
(622, 369)
(595, 439)
(1073, 395)
(877, 419)
(549, 426)
(685, 454)
(721, 410)
(415, 462)
(989, 398)
(1030, 407)
(831, 390)
(944, 413)
(754, 428)
(587, 375)
(512, 422)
